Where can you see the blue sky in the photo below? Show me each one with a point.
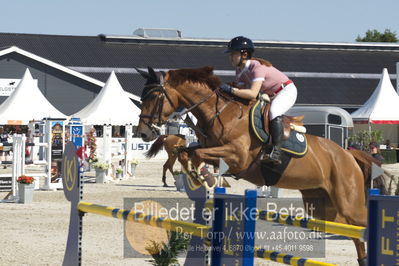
(294, 20)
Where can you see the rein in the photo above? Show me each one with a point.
(157, 111)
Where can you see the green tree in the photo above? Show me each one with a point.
(364, 138)
(376, 36)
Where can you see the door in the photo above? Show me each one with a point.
(336, 134)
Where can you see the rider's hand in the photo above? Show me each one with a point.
(226, 88)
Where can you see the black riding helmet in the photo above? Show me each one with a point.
(241, 44)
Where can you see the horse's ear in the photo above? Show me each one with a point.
(142, 73)
(152, 73)
(162, 77)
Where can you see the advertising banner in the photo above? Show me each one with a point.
(57, 148)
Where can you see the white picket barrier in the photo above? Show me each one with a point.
(19, 167)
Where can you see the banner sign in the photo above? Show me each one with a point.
(7, 86)
(383, 230)
(57, 148)
(5, 183)
(77, 135)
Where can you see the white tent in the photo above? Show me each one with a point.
(380, 111)
(382, 106)
(27, 103)
(111, 106)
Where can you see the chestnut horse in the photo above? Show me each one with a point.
(170, 142)
(326, 171)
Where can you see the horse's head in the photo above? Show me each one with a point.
(157, 104)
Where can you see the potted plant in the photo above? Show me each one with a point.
(133, 165)
(167, 253)
(25, 188)
(119, 173)
(101, 169)
(92, 161)
(179, 180)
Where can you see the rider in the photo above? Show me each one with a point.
(254, 76)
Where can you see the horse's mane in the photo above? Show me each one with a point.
(202, 75)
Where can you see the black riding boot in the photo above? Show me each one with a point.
(276, 131)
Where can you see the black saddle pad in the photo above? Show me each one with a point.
(296, 145)
(256, 119)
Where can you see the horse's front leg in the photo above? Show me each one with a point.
(194, 162)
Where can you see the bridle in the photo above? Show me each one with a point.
(156, 112)
(158, 107)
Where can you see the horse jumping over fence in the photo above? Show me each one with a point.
(326, 170)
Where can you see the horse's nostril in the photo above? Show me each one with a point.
(143, 135)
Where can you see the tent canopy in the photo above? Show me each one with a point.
(382, 106)
(111, 106)
(27, 103)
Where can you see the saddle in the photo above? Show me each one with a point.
(289, 122)
(261, 110)
(294, 139)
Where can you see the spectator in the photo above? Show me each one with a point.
(375, 151)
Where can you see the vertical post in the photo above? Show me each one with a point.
(249, 227)
(107, 138)
(382, 229)
(128, 148)
(16, 164)
(73, 187)
(397, 77)
(14, 167)
(23, 149)
(217, 227)
(47, 138)
(228, 223)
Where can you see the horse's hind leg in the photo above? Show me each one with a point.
(361, 252)
(165, 168)
(324, 209)
(348, 196)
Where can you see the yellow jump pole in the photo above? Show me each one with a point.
(347, 230)
(138, 217)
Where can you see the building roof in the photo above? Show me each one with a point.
(341, 74)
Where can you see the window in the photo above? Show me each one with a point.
(334, 119)
(317, 130)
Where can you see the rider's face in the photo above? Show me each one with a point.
(235, 58)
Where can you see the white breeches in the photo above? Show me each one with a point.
(283, 101)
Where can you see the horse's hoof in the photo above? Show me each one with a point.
(207, 178)
(362, 262)
(165, 185)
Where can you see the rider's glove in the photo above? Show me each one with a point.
(226, 88)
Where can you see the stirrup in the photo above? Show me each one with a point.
(272, 158)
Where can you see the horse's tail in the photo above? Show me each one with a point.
(155, 147)
(364, 160)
